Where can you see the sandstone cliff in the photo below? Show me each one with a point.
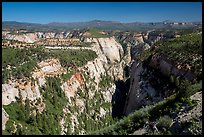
(87, 78)
(31, 37)
(142, 91)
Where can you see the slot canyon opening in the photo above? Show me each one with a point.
(119, 98)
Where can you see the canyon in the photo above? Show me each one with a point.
(114, 84)
(108, 63)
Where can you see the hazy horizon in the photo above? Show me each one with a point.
(96, 20)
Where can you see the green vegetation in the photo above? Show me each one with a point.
(164, 122)
(188, 31)
(20, 114)
(183, 50)
(12, 42)
(182, 90)
(133, 121)
(90, 120)
(96, 33)
(146, 54)
(46, 122)
(105, 81)
(192, 89)
(68, 75)
(77, 44)
(23, 61)
(179, 50)
(194, 127)
(137, 119)
(84, 44)
(76, 57)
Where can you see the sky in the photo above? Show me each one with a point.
(46, 12)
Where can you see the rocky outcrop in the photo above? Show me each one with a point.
(58, 41)
(128, 53)
(31, 37)
(52, 67)
(139, 38)
(142, 92)
(28, 38)
(9, 94)
(5, 118)
(111, 49)
(15, 90)
(135, 42)
(132, 101)
(188, 115)
(70, 87)
(185, 115)
(29, 89)
(168, 69)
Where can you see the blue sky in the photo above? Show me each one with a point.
(45, 12)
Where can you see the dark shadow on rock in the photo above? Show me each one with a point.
(119, 98)
(126, 71)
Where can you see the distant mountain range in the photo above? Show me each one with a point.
(107, 25)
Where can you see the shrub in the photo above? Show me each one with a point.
(164, 121)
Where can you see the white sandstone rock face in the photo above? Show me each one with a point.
(74, 123)
(41, 81)
(71, 86)
(95, 69)
(28, 38)
(4, 33)
(68, 91)
(107, 94)
(139, 38)
(109, 53)
(88, 40)
(50, 66)
(128, 54)
(80, 103)
(11, 91)
(5, 118)
(9, 94)
(111, 49)
(37, 36)
(139, 90)
(31, 93)
(63, 129)
(102, 112)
